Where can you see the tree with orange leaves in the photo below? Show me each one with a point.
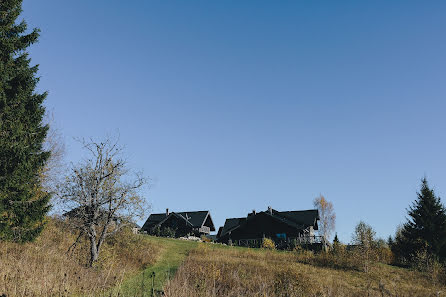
(327, 216)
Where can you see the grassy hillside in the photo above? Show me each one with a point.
(44, 268)
(212, 270)
(184, 269)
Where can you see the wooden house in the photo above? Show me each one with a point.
(194, 223)
(281, 226)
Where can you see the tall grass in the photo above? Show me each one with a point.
(44, 268)
(212, 271)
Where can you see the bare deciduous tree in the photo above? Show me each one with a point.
(54, 169)
(327, 216)
(364, 239)
(102, 194)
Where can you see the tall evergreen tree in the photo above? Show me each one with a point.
(426, 226)
(23, 205)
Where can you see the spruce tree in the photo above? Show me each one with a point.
(23, 205)
(426, 226)
(336, 239)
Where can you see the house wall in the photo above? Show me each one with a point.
(179, 225)
(208, 222)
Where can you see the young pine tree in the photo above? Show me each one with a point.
(336, 239)
(23, 205)
(426, 226)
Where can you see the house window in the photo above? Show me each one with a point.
(281, 235)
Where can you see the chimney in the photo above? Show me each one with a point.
(254, 212)
(270, 210)
(167, 212)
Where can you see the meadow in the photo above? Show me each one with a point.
(142, 265)
(213, 270)
(46, 268)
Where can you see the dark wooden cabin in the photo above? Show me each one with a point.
(194, 223)
(280, 226)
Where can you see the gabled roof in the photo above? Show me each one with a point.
(84, 211)
(299, 219)
(219, 231)
(195, 219)
(156, 218)
(231, 224)
(178, 215)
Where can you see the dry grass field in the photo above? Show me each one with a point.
(44, 268)
(225, 271)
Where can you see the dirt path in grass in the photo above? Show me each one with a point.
(173, 254)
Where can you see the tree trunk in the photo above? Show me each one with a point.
(94, 253)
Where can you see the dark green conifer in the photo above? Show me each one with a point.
(426, 226)
(336, 239)
(23, 205)
(390, 241)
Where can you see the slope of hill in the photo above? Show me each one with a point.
(45, 268)
(225, 271)
(183, 269)
(173, 254)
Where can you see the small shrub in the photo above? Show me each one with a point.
(168, 232)
(426, 262)
(164, 232)
(384, 255)
(155, 231)
(268, 243)
(204, 238)
(338, 258)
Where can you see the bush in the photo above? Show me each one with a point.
(168, 232)
(155, 231)
(339, 258)
(164, 232)
(426, 262)
(268, 243)
(204, 238)
(384, 255)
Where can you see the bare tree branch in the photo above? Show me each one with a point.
(102, 194)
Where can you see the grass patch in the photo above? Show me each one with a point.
(173, 253)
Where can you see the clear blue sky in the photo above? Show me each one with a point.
(236, 105)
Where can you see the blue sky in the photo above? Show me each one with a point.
(236, 105)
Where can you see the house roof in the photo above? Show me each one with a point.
(83, 211)
(180, 216)
(299, 219)
(195, 218)
(219, 231)
(231, 224)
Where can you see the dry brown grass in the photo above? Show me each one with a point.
(43, 267)
(217, 271)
